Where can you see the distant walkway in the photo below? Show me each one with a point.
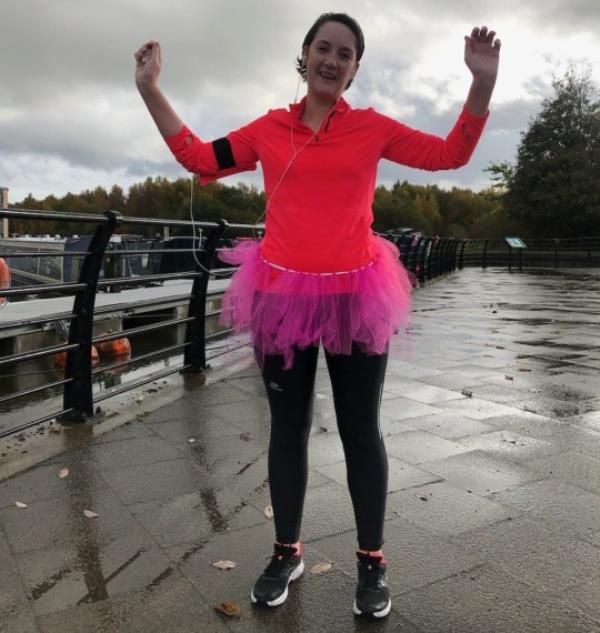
(492, 424)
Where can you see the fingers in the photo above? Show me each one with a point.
(483, 36)
(147, 51)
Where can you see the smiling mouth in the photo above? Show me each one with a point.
(328, 76)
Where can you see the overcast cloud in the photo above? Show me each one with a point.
(71, 118)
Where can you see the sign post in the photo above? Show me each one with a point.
(519, 244)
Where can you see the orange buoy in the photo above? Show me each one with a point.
(120, 347)
(60, 358)
(4, 278)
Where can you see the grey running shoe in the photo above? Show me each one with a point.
(271, 588)
(372, 591)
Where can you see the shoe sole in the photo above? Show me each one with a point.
(376, 614)
(283, 597)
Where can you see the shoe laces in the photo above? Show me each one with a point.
(371, 571)
(282, 556)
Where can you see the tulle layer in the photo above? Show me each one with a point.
(283, 309)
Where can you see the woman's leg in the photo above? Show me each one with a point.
(357, 382)
(290, 394)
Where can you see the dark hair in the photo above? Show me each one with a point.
(342, 18)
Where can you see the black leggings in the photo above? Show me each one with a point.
(357, 382)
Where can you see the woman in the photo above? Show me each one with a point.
(320, 275)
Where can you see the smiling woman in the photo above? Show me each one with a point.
(320, 275)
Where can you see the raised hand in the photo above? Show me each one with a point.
(148, 64)
(482, 53)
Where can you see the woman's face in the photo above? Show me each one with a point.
(330, 60)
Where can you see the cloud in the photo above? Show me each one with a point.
(71, 118)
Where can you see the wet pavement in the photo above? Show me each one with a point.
(491, 413)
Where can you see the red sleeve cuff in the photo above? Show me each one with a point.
(467, 114)
(177, 141)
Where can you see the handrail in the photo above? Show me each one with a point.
(424, 256)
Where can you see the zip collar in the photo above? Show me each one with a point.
(296, 110)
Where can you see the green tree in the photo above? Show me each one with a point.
(554, 189)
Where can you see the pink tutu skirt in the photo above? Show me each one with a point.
(283, 309)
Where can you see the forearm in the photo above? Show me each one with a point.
(480, 93)
(166, 119)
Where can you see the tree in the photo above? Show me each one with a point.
(554, 189)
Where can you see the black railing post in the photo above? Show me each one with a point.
(423, 258)
(434, 257)
(78, 391)
(195, 351)
(428, 257)
(462, 252)
(484, 258)
(520, 259)
(452, 255)
(413, 254)
(446, 268)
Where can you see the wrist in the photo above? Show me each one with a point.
(484, 80)
(147, 89)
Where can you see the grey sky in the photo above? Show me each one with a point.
(71, 119)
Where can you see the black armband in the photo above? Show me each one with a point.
(223, 153)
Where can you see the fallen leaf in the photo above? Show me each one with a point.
(524, 369)
(139, 399)
(246, 436)
(509, 377)
(230, 609)
(20, 504)
(467, 393)
(269, 512)
(90, 515)
(224, 564)
(54, 429)
(320, 568)
(63, 472)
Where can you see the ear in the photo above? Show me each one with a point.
(304, 55)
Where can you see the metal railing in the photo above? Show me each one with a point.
(77, 383)
(425, 257)
(550, 252)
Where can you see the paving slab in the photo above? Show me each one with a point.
(445, 509)
(201, 514)
(573, 510)
(481, 472)
(450, 426)
(90, 570)
(545, 557)
(511, 445)
(173, 605)
(416, 447)
(570, 466)
(56, 521)
(487, 599)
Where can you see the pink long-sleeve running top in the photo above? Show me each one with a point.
(319, 219)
